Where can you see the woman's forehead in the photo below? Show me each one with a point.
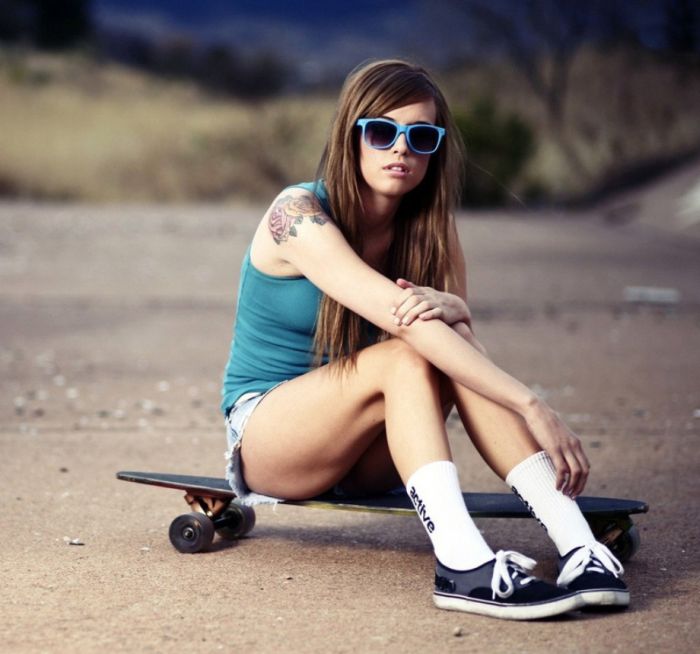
(422, 111)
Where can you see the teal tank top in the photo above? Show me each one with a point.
(274, 327)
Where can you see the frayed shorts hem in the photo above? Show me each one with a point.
(235, 426)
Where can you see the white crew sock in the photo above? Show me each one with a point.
(436, 495)
(534, 481)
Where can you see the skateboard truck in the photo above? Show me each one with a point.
(211, 514)
(210, 506)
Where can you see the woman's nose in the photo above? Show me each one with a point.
(401, 144)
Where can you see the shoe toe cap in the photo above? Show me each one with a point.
(597, 581)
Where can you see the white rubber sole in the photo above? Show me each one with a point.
(605, 597)
(508, 612)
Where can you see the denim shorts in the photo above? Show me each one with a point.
(235, 426)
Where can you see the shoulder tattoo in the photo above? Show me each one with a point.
(290, 211)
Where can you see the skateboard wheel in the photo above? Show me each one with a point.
(625, 546)
(191, 533)
(235, 521)
(620, 535)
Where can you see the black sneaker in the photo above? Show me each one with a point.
(592, 572)
(501, 589)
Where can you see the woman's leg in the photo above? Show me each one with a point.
(374, 472)
(500, 435)
(314, 431)
(309, 434)
(505, 443)
(360, 429)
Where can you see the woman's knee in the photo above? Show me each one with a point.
(403, 362)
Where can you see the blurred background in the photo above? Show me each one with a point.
(139, 141)
(558, 101)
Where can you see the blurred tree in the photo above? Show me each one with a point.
(255, 76)
(49, 24)
(217, 68)
(681, 26)
(264, 74)
(498, 147)
(17, 18)
(61, 25)
(541, 39)
(131, 49)
(174, 57)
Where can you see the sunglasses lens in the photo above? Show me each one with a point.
(380, 134)
(424, 138)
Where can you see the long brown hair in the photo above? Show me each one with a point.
(424, 223)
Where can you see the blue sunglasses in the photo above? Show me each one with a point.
(381, 134)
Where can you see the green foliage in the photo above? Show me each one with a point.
(62, 25)
(218, 68)
(15, 67)
(681, 25)
(498, 147)
(48, 24)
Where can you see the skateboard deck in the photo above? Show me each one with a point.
(215, 510)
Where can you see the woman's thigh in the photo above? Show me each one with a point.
(314, 431)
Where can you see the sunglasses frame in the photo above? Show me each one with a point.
(400, 129)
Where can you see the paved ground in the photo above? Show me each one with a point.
(114, 327)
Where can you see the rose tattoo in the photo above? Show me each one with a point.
(290, 211)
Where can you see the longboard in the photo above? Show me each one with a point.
(215, 510)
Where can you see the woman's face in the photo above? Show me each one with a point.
(397, 170)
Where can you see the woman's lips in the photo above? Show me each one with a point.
(398, 169)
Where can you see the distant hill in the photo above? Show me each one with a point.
(337, 34)
(326, 33)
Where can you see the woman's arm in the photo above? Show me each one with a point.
(425, 303)
(549, 430)
(318, 250)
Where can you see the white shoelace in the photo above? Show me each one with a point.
(593, 557)
(508, 566)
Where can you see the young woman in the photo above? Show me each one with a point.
(353, 340)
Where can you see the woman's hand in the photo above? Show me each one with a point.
(562, 445)
(425, 303)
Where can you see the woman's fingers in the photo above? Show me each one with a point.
(410, 304)
(431, 314)
(401, 300)
(577, 462)
(571, 466)
(423, 310)
(564, 448)
(561, 467)
(572, 483)
(584, 466)
(426, 303)
(416, 311)
(468, 317)
(404, 307)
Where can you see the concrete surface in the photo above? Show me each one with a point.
(114, 328)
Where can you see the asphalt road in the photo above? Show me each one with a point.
(114, 328)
